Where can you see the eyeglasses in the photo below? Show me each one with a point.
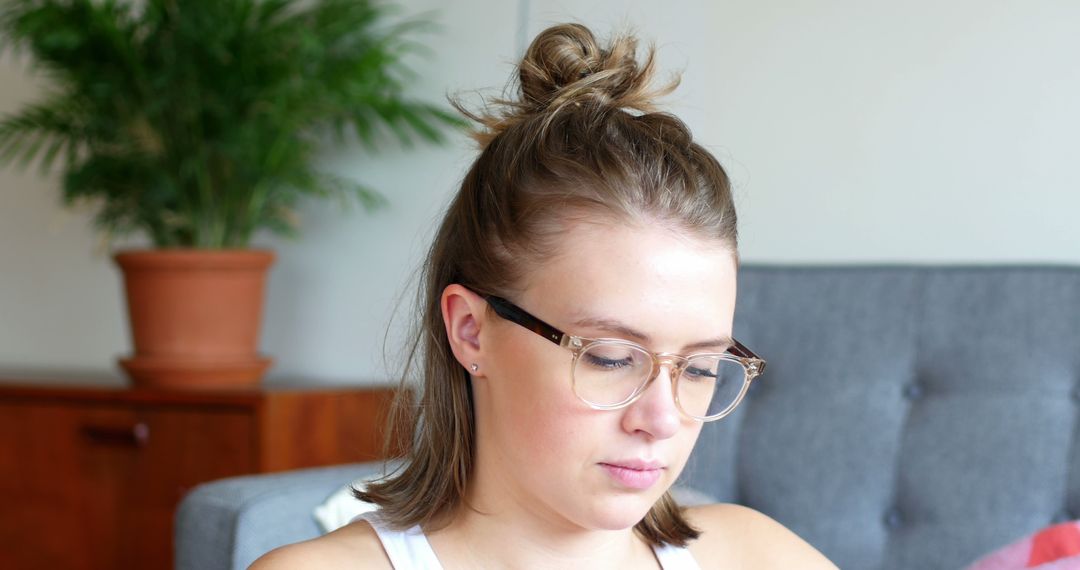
(608, 374)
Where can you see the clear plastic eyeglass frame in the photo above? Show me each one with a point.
(751, 362)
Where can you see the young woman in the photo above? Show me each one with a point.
(575, 337)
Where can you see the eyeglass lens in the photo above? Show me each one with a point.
(609, 374)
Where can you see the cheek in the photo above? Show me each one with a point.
(532, 400)
(683, 445)
(526, 375)
(542, 410)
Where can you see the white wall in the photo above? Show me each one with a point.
(918, 131)
(855, 132)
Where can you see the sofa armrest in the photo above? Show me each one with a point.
(227, 524)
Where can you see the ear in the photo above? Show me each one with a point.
(463, 313)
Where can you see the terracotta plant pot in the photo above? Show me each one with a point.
(195, 316)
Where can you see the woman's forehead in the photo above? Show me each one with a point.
(636, 276)
(607, 254)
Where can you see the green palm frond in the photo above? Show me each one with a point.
(198, 121)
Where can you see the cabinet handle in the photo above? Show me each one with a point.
(137, 435)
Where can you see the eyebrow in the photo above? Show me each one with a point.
(613, 325)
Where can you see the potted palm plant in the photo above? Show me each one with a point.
(197, 122)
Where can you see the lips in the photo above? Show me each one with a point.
(634, 473)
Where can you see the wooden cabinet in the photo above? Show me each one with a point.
(90, 477)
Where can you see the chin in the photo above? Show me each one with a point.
(621, 512)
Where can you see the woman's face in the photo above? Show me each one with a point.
(541, 450)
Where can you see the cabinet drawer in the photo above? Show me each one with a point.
(95, 485)
(90, 476)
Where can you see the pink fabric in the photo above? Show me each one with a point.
(1053, 548)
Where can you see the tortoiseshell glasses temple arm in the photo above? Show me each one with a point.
(515, 314)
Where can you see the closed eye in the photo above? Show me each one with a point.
(695, 372)
(608, 363)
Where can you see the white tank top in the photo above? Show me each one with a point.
(410, 549)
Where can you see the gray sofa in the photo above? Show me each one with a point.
(910, 418)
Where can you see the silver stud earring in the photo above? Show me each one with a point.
(474, 367)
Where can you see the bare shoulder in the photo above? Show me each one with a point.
(734, 536)
(354, 545)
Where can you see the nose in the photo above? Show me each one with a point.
(654, 412)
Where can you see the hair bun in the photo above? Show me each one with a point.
(566, 64)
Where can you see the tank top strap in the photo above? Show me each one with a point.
(675, 558)
(407, 550)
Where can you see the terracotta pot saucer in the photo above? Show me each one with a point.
(165, 372)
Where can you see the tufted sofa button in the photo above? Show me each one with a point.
(913, 391)
(1075, 394)
(1064, 515)
(893, 519)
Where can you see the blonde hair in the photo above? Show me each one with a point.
(583, 139)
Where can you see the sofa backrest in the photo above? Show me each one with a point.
(909, 417)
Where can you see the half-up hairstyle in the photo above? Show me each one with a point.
(582, 140)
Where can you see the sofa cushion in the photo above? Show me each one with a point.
(901, 404)
(227, 524)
